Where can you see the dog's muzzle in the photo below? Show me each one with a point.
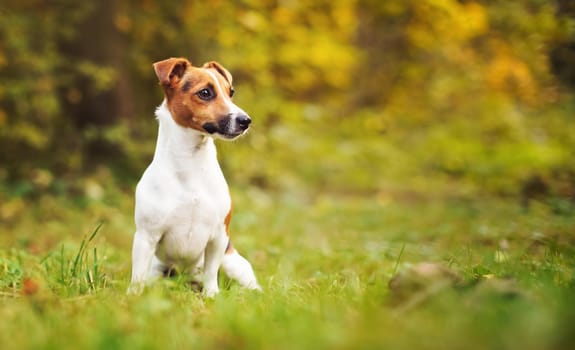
(230, 126)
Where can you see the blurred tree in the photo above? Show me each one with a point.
(32, 121)
(563, 53)
(460, 90)
(466, 83)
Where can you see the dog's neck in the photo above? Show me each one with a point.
(178, 145)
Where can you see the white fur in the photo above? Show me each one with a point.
(182, 201)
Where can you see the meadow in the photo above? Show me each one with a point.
(408, 181)
(495, 275)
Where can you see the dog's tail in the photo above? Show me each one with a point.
(239, 269)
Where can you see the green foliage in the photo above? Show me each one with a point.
(455, 92)
(81, 273)
(11, 273)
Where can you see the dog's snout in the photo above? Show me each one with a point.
(243, 121)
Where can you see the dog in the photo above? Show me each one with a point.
(183, 205)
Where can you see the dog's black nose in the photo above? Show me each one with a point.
(243, 121)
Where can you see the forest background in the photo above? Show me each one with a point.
(408, 181)
(361, 97)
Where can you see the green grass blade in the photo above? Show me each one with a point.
(398, 259)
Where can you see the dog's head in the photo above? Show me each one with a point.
(201, 97)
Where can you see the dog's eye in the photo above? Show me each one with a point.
(232, 92)
(206, 94)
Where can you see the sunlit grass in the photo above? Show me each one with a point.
(325, 264)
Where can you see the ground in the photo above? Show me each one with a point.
(472, 273)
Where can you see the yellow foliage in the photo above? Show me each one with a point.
(11, 208)
(446, 22)
(34, 136)
(3, 118)
(253, 20)
(507, 74)
(401, 67)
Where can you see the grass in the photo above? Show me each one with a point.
(325, 265)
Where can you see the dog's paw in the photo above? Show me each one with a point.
(254, 286)
(135, 289)
(210, 292)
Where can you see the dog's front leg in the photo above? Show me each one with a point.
(143, 251)
(212, 260)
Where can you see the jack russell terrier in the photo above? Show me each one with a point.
(183, 205)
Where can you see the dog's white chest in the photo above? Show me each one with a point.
(195, 217)
(186, 201)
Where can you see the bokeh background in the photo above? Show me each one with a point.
(392, 99)
(408, 182)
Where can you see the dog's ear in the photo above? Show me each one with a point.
(170, 71)
(220, 69)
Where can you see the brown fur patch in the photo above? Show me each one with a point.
(227, 220)
(182, 82)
